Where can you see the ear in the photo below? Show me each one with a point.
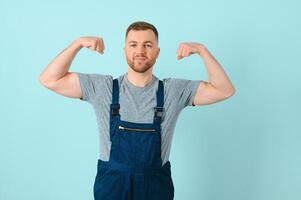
(158, 52)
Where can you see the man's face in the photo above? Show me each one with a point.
(141, 50)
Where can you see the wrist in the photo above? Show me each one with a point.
(201, 50)
(77, 44)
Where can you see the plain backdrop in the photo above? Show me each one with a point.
(244, 148)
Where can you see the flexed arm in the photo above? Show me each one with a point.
(219, 86)
(56, 75)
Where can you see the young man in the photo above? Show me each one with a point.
(136, 112)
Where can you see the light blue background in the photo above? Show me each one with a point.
(244, 148)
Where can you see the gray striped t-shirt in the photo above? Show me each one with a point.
(136, 105)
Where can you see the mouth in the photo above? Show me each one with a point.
(140, 58)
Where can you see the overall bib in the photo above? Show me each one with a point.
(134, 170)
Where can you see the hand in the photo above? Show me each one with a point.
(188, 48)
(93, 43)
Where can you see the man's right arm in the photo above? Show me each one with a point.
(56, 75)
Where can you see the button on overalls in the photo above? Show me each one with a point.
(134, 170)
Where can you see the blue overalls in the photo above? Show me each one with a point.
(134, 170)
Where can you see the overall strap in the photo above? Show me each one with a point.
(115, 106)
(159, 109)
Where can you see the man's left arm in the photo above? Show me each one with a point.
(219, 86)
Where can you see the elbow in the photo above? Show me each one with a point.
(230, 93)
(44, 82)
(41, 81)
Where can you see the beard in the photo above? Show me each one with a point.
(140, 66)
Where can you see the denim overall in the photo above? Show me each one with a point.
(134, 170)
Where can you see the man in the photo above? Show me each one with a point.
(136, 112)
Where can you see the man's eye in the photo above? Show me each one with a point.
(148, 45)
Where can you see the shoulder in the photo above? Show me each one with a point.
(94, 84)
(181, 90)
(94, 76)
(177, 83)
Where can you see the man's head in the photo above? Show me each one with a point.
(141, 46)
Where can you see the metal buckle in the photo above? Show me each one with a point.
(115, 109)
(159, 111)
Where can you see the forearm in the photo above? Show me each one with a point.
(216, 75)
(59, 67)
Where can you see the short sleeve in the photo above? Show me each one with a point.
(182, 91)
(93, 85)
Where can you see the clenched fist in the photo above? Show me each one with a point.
(93, 43)
(187, 48)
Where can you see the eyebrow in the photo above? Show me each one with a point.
(133, 41)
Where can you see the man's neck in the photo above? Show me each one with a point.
(139, 79)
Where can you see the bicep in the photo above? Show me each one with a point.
(207, 94)
(68, 86)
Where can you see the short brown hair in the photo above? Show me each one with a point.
(141, 26)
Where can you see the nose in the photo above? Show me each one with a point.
(141, 49)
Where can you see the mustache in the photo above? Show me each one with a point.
(140, 57)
